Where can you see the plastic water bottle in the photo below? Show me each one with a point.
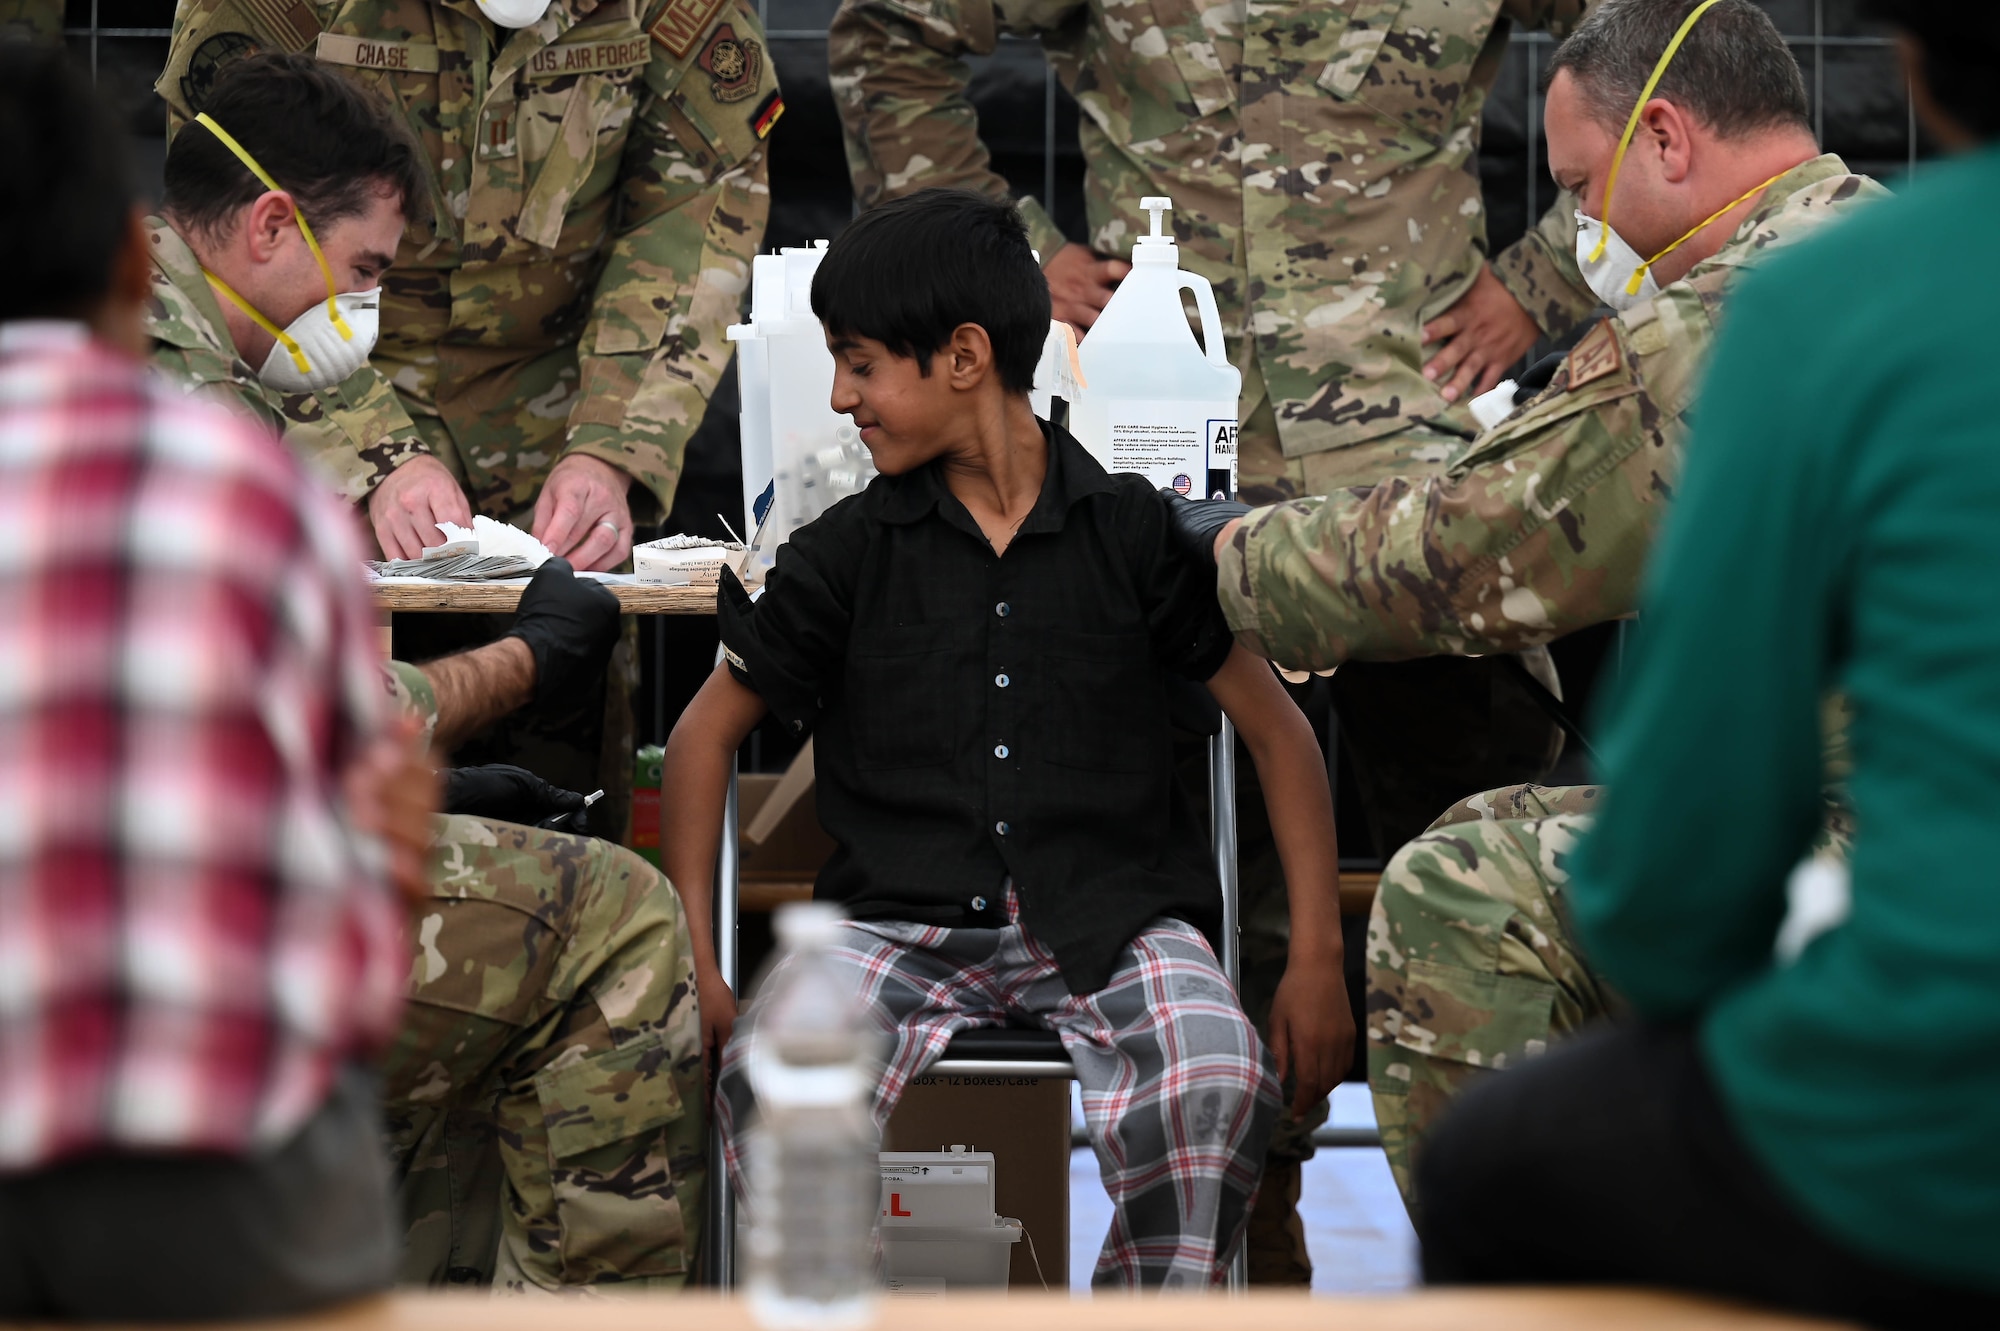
(814, 1168)
(1154, 401)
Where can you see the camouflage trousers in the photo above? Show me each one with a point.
(544, 1097)
(1472, 965)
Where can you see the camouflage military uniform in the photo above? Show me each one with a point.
(31, 20)
(544, 1094)
(1542, 526)
(1471, 963)
(598, 183)
(1320, 160)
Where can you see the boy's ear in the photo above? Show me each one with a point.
(968, 357)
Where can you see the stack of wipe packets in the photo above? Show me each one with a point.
(682, 561)
(487, 550)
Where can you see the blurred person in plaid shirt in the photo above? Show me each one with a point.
(200, 807)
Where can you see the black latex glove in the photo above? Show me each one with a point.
(569, 623)
(509, 794)
(1195, 522)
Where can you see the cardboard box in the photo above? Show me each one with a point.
(782, 868)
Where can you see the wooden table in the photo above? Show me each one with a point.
(637, 599)
(1440, 1310)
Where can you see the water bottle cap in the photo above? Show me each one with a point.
(802, 923)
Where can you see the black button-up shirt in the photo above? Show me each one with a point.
(980, 716)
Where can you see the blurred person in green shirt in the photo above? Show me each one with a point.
(1802, 1110)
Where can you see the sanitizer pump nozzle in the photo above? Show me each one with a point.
(1157, 247)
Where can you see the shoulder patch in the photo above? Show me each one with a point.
(681, 24)
(766, 114)
(732, 63)
(208, 62)
(1595, 357)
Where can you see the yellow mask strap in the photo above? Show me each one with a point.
(312, 243)
(1639, 277)
(284, 339)
(1632, 121)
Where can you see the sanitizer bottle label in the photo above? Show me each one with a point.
(1189, 447)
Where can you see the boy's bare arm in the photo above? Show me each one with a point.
(1312, 1030)
(694, 784)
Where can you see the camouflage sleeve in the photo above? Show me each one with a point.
(1541, 528)
(1540, 269)
(357, 432)
(695, 195)
(899, 77)
(354, 434)
(411, 695)
(33, 20)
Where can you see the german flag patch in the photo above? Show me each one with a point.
(767, 113)
(681, 24)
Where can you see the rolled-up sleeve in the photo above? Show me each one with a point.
(788, 644)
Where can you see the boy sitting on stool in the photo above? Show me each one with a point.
(981, 642)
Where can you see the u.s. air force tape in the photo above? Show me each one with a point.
(603, 56)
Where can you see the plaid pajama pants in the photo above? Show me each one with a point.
(1179, 1094)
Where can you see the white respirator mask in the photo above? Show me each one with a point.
(314, 352)
(1612, 269)
(331, 340)
(514, 13)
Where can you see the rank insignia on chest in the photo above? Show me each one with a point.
(496, 134)
(681, 24)
(733, 65)
(1595, 357)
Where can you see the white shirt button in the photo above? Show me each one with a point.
(1000, 681)
(999, 750)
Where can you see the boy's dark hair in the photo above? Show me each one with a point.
(66, 194)
(908, 272)
(1734, 71)
(331, 144)
(1959, 48)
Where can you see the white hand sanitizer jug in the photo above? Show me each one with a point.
(1155, 401)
